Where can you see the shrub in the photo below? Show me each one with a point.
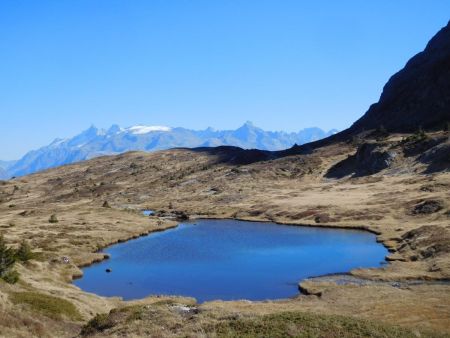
(24, 252)
(418, 136)
(100, 322)
(7, 258)
(11, 277)
(53, 219)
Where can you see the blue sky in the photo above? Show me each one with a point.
(282, 64)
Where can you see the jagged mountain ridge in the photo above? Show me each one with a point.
(95, 142)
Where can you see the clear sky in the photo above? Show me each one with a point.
(282, 64)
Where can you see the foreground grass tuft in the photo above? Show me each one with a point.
(49, 306)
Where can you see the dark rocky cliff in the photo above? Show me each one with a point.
(418, 95)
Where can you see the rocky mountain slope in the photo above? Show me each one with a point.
(95, 142)
(418, 95)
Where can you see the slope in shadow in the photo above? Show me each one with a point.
(236, 155)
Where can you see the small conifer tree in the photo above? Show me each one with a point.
(7, 258)
(24, 252)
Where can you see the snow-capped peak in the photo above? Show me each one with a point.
(146, 129)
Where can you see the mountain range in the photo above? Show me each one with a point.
(95, 142)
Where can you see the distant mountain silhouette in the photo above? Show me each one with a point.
(4, 165)
(95, 142)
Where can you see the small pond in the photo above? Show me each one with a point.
(229, 259)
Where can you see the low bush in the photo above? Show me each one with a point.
(100, 323)
(53, 219)
(418, 136)
(11, 277)
(24, 252)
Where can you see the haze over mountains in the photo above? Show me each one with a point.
(95, 142)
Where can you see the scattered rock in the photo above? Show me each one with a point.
(427, 207)
(425, 242)
(108, 270)
(184, 309)
(181, 215)
(322, 218)
(434, 268)
(395, 257)
(106, 205)
(310, 289)
(177, 214)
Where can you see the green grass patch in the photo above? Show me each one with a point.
(298, 324)
(50, 306)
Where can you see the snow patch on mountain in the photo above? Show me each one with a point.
(138, 130)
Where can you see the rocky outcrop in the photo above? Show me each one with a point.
(427, 207)
(418, 95)
(370, 158)
(437, 158)
(415, 97)
(425, 242)
(174, 214)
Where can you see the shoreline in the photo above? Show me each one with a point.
(301, 291)
(118, 241)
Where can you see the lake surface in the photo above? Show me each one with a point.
(228, 259)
